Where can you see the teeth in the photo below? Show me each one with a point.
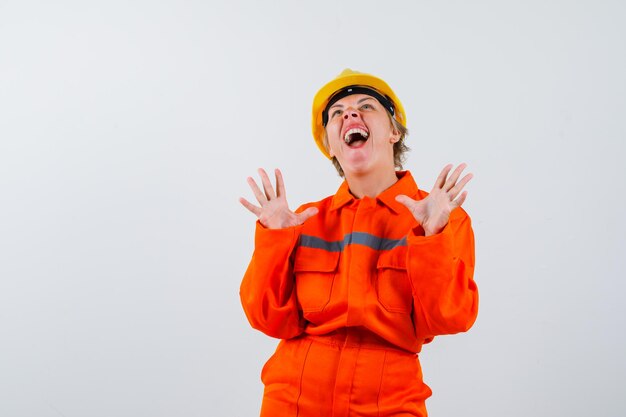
(346, 137)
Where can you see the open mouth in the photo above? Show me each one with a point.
(355, 137)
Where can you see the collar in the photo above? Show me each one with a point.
(405, 185)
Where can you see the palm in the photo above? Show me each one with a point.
(274, 212)
(433, 212)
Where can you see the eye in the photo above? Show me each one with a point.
(367, 106)
(335, 113)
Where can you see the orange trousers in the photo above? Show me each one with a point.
(347, 373)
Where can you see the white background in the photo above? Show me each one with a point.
(127, 130)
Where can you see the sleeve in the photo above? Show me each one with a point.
(267, 290)
(441, 269)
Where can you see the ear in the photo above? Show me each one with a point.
(395, 135)
(327, 145)
(330, 150)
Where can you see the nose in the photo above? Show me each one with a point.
(350, 113)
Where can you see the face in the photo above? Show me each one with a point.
(360, 135)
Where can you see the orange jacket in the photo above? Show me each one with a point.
(363, 262)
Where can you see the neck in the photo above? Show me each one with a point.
(370, 185)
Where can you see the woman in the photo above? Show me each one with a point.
(355, 284)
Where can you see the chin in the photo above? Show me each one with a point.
(358, 169)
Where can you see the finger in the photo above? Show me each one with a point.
(441, 179)
(405, 200)
(280, 184)
(251, 207)
(260, 197)
(267, 185)
(307, 214)
(459, 201)
(454, 177)
(459, 186)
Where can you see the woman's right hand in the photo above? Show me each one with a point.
(274, 212)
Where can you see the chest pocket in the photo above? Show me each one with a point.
(315, 272)
(392, 285)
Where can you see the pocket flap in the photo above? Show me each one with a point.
(315, 260)
(394, 259)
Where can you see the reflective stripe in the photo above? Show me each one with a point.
(356, 238)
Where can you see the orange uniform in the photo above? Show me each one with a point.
(354, 293)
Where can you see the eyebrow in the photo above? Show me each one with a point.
(358, 102)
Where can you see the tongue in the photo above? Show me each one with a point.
(356, 143)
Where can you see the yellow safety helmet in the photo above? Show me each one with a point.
(340, 85)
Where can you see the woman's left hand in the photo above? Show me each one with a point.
(433, 212)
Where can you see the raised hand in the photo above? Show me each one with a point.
(274, 212)
(433, 212)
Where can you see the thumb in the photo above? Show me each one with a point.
(405, 200)
(307, 214)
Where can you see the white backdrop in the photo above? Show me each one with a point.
(127, 130)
